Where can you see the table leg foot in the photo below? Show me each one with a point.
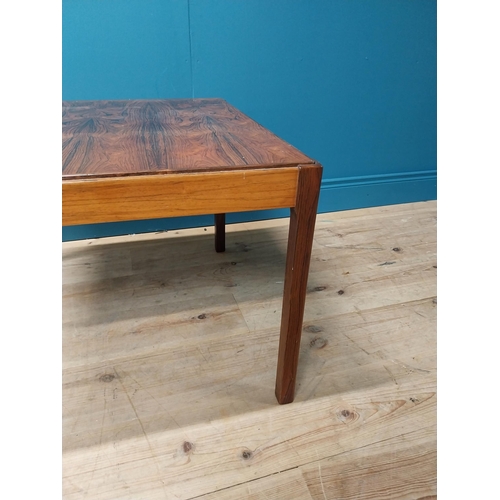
(220, 232)
(300, 239)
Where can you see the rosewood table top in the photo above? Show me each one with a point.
(136, 137)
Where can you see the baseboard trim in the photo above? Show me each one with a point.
(347, 193)
(363, 180)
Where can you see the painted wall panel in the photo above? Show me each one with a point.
(349, 82)
(352, 83)
(125, 49)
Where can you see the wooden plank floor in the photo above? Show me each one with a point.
(169, 360)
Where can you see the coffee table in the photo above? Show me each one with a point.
(146, 159)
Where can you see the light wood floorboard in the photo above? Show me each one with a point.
(169, 363)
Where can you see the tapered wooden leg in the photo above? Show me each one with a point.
(220, 232)
(300, 239)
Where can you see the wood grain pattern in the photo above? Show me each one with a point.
(403, 469)
(300, 240)
(110, 138)
(147, 197)
(169, 363)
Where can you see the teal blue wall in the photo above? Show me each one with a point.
(352, 83)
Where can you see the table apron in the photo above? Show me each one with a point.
(114, 199)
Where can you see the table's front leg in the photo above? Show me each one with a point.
(300, 239)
